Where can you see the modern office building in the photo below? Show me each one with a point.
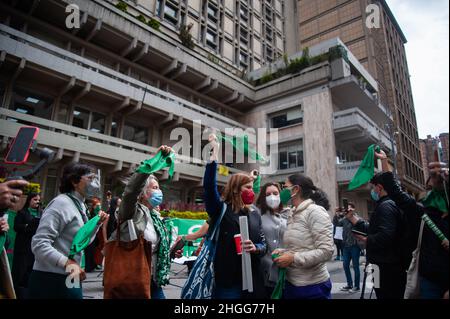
(373, 35)
(111, 91)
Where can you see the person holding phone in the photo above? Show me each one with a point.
(382, 242)
(434, 250)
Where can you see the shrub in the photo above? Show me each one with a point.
(122, 6)
(141, 18)
(186, 37)
(153, 23)
(337, 52)
(267, 77)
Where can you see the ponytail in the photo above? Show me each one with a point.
(309, 190)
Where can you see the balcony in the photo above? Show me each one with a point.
(115, 153)
(355, 127)
(59, 63)
(346, 171)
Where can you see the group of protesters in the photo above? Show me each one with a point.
(290, 235)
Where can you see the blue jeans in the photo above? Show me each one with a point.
(227, 293)
(352, 253)
(317, 291)
(430, 290)
(156, 292)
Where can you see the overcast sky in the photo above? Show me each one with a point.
(425, 24)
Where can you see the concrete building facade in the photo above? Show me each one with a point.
(110, 92)
(373, 35)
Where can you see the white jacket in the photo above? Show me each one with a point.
(309, 236)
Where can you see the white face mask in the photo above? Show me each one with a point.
(273, 201)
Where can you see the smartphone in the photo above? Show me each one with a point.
(359, 232)
(179, 245)
(20, 148)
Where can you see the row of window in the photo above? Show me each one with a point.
(174, 12)
(80, 116)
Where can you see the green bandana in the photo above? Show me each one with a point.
(2, 241)
(157, 163)
(33, 212)
(241, 144)
(366, 170)
(83, 236)
(163, 264)
(436, 199)
(278, 290)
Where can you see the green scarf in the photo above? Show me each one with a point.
(157, 163)
(33, 212)
(163, 264)
(83, 236)
(257, 184)
(436, 199)
(278, 290)
(366, 170)
(2, 241)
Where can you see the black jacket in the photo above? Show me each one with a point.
(434, 259)
(227, 263)
(383, 238)
(25, 226)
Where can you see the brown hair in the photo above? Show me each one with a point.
(232, 192)
(261, 201)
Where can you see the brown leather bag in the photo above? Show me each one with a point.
(127, 272)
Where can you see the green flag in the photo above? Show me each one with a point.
(241, 144)
(436, 199)
(2, 241)
(366, 170)
(257, 184)
(157, 163)
(278, 290)
(83, 236)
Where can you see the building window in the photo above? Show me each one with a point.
(80, 118)
(32, 104)
(287, 118)
(98, 123)
(290, 156)
(211, 39)
(171, 13)
(212, 12)
(134, 133)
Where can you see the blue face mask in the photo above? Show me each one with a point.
(156, 198)
(374, 195)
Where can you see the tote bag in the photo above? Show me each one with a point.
(200, 284)
(127, 273)
(412, 289)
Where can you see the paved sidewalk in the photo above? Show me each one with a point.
(93, 289)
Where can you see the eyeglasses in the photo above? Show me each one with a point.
(91, 176)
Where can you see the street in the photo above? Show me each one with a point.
(93, 289)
